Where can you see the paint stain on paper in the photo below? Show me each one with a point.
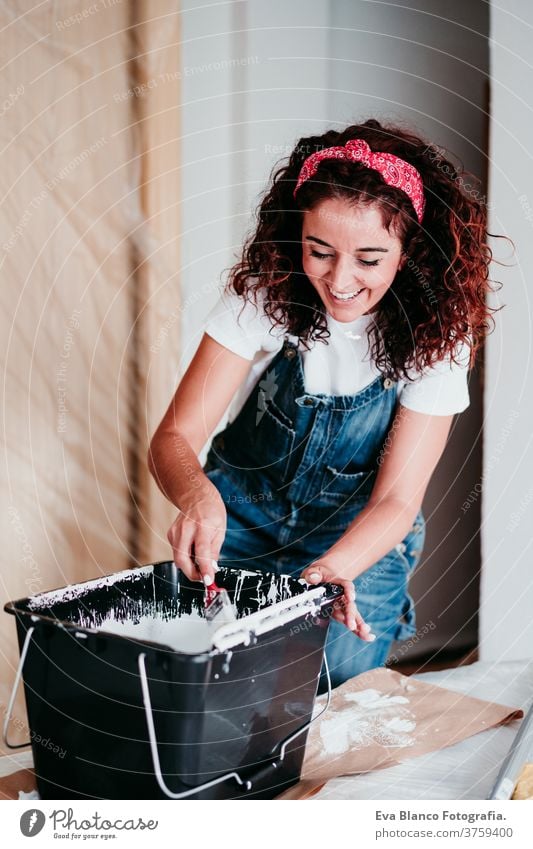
(368, 718)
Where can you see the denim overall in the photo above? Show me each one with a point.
(294, 470)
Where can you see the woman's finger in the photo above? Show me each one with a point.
(363, 629)
(349, 593)
(217, 542)
(344, 608)
(350, 614)
(313, 575)
(181, 541)
(353, 619)
(203, 558)
(348, 601)
(337, 606)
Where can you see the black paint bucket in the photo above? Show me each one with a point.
(127, 700)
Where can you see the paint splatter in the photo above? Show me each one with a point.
(158, 604)
(72, 591)
(367, 718)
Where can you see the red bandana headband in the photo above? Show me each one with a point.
(395, 171)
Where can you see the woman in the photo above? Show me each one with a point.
(347, 331)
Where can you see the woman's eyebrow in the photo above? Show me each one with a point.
(326, 245)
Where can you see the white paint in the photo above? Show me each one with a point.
(267, 619)
(186, 634)
(278, 586)
(68, 593)
(189, 634)
(32, 796)
(374, 699)
(367, 718)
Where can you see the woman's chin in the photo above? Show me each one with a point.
(345, 312)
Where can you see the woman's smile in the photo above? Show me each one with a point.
(345, 299)
(348, 296)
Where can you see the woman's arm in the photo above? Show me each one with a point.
(204, 392)
(412, 450)
(202, 397)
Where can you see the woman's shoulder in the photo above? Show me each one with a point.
(441, 388)
(241, 324)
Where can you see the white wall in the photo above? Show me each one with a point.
(244, 103)
(506, 631)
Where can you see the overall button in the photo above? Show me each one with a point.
(388, 383)
(290, 353)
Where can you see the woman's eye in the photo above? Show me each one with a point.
(366, 262)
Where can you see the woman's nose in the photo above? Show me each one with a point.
(342, 276)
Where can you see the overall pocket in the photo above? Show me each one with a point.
(339, 487)
(411, 547)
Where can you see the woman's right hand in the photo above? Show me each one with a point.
(197, 534)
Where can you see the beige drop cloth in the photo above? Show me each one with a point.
(22, 780)
(382, 718)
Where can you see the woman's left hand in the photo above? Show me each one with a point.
(345, 610)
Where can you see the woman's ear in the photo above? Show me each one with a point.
(403, 260)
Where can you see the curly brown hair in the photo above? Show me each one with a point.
(437, 301)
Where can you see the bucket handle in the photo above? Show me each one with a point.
(307, 725)
(246, 783)
(13, 696)
(155, 752)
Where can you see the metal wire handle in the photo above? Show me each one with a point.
(155, 752)
(245, 783)
(13, 696)
(314, 719)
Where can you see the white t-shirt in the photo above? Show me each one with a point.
(339, 365)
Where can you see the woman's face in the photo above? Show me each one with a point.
(349, 257)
